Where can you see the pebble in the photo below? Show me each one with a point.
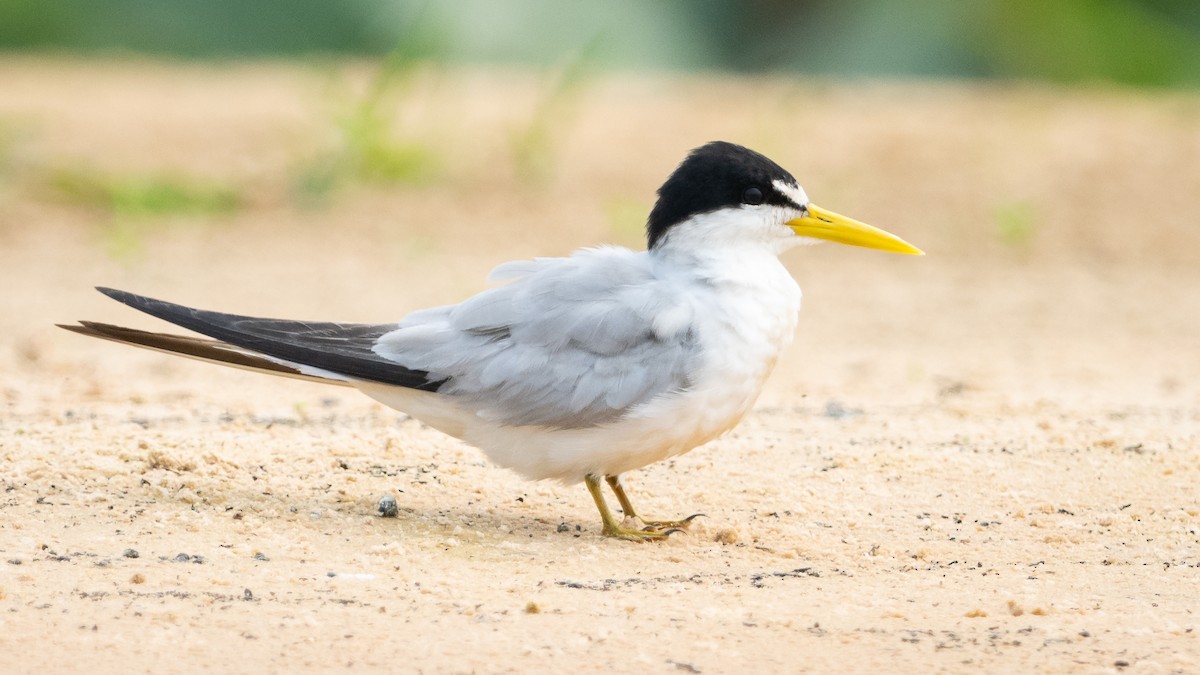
(388, 508)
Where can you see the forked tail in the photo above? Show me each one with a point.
(201, 349)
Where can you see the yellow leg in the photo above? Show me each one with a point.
(611, 527)
(618, 489)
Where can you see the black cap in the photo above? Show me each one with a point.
(715, 176)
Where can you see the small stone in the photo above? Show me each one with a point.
(137, 579)
(130, 553)
(261, 556)
(388, 508)
(183, 557)
(247, 595)
(532, 607)
(563, 527)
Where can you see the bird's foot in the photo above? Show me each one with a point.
(664, 525)
(632, 534)
(634, 527)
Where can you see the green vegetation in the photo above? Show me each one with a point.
(144, 196)
(365, 152)
(627, 220)
(133, 206)
(1136, 42)
(1016, 224)
(366, 149)
(13, 159)
(533, 144)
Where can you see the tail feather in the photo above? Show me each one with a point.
(212, 351)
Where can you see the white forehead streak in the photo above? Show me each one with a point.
(792, 192)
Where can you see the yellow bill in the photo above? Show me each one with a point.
(822, 224)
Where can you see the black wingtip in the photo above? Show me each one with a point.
(300, 342)
(142, 303)
(116, 294)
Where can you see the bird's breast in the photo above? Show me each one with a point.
(743, 330)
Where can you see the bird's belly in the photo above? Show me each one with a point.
(664, 427)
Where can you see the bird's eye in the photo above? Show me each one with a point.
(752, 196)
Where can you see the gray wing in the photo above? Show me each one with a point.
(570, 343)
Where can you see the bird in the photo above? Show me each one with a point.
(579, 368)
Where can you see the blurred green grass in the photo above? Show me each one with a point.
(367, 149)
(533, 143)
(132, 207)
(146, 196)
(1016, 224)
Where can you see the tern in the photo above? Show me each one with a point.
(579, 368)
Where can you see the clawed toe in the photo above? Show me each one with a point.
(677, 525)
(647, 534)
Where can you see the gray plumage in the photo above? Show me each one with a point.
(568, 343)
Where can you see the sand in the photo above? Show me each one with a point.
(985, 459)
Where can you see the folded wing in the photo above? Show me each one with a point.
(569, 343)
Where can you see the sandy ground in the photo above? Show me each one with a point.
(981, 460)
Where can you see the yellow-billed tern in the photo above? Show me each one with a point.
(577, 368)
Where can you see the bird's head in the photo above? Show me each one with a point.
(727, 195)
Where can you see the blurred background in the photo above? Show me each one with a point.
(1138, 42)
(279, 158)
